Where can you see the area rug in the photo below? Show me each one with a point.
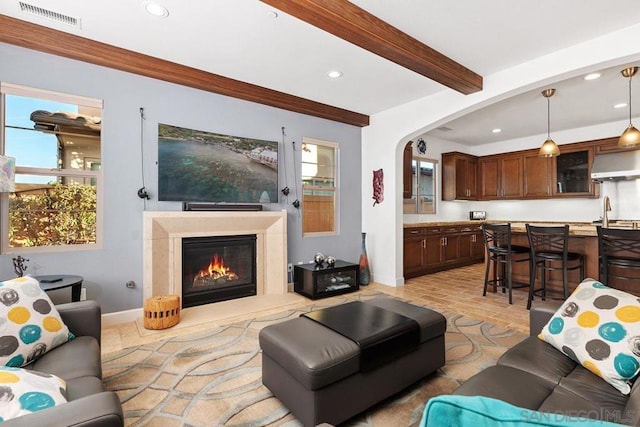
(213, 378)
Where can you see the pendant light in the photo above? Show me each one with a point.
(631, 136)
(549, 148)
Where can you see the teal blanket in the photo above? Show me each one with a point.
(479, 411)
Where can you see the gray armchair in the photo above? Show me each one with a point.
(78, 362)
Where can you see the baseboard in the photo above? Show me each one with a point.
(119, 317)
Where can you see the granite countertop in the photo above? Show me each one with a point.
(586, 229)
(440, 223)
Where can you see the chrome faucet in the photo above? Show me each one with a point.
(606, 210)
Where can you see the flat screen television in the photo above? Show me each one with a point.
(198, 166)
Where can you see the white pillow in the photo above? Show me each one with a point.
(599, 327)
(23, 391)
(30, 325)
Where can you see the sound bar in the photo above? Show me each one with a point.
(198, 206)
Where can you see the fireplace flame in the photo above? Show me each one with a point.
(217, 267)
(216, 272)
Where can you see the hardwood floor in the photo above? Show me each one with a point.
(458, 290)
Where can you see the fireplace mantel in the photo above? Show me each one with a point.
(164, 231)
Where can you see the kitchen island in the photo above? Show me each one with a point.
(583, 239)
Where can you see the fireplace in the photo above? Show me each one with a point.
(218, 268)
(165, 231)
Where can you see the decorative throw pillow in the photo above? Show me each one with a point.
(23, 391)
(480, 411)
(30, 325)
(599, 327)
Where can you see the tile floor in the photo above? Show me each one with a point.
(458, 290)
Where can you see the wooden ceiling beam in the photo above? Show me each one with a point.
(355, 25)
(43, 39)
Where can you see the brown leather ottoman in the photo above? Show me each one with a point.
(316, 372)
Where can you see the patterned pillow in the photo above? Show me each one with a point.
(29, 323)
(23, 391)
(599, 327)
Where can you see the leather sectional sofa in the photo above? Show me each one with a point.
(78, 362)
(536, 376)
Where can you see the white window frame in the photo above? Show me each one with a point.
(12, 89)
(336, 188)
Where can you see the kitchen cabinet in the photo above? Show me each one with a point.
(435, 248)
(422, 250)
(572, 173)
(449, 241)
(414, 258)
(459, 176)
(607, 145)
(489, 177)
(407, 175)
(523, 175)
(511, 176)
(471, 245)
(537, 176)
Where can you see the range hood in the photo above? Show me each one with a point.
(624, 165)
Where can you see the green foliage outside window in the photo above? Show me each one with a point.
(58, 215)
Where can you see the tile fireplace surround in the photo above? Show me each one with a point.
(164, 231)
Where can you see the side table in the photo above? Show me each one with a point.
(321, 281)
(52, 282)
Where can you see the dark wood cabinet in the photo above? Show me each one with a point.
(537, 176)
(477, 245)
(511, 177)
(450, 245)
(414, 250)
(433, 252)
(430, 249)
(489, 178)
(407, 175)
(606, 145)
(465, 246)
(572, 173)
(523, 174)
(470, 243)
(459, 176)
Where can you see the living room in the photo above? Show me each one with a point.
(361, 151)
(130, 147)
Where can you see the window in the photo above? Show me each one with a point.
(319, 187)
(56, 141)
(419, 193)
(423, 187)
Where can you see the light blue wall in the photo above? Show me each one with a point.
(120, 259)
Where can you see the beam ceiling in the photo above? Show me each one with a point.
(355, 25)
(43, 39)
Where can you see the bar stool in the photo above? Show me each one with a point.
(500, 253)
(619, 253)
(549, 252)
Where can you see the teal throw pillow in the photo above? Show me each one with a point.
(480, 411)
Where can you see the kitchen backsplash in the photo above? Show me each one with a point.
(625, 204)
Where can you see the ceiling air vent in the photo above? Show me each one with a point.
(49, 14)
(444, 129)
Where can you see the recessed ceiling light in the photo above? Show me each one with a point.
(273, 14)
(335, 74)
(155, 9)
(496, 130)
(592, 76)
(620, 105)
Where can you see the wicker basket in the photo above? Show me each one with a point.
(161, 312)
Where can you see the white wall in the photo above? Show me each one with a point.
(384, 139)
